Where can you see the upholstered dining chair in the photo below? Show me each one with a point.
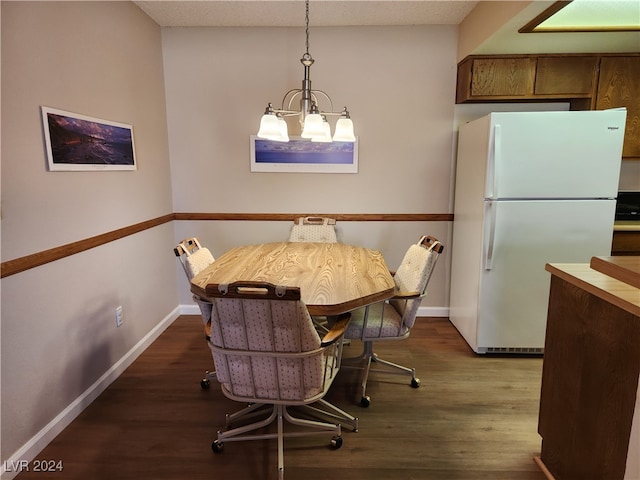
(320, 230)
(314, 229)
(267, 353)
(393, 319)
(194, 258)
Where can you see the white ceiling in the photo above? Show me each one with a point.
(290, 13)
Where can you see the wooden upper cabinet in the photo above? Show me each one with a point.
(526, 77)
(502, 77)
(575, 76)
(490, 79)
(586, 81)
(619, 86)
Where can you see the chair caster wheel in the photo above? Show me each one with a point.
(217, 446)
(336, 442)
(415, 382)
(365, 401)
(205, 384)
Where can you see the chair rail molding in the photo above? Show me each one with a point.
(17, 265)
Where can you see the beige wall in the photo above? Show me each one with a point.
(399, 85)
(101, 59)
(108, 60)
(104, 59)
(488, 17)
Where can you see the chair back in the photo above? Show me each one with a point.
(413, 275)
(265, 346)
(193, 256)
(314, 229)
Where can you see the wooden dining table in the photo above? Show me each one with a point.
(333, 278)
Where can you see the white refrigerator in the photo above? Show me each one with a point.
(531, 188)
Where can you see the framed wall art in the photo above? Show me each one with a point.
(78, 142)
(299, 155)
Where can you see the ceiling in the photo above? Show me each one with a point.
(290, 13)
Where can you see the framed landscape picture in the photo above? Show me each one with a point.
(79, 142)
(298, 155)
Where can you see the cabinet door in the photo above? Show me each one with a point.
(503, 77)
(625, 243)
(618, 86)
(571, 75)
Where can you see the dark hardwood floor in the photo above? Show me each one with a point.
(473, 417)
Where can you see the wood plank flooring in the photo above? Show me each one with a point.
(474, 417)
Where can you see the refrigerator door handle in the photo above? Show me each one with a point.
(495, 151)
(489, 235)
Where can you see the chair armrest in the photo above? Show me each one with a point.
(337, 330)
(405, 295)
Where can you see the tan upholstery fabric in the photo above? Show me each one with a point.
(319, 233)
(198, 261)
(412, 276)
(267, 326)
(378, 325)
(194, 259)
(396, 318)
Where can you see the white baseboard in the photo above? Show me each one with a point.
(433, 312)
(189, 309)
(192, 309)
(36, 444)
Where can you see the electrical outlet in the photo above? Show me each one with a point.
(119, 316)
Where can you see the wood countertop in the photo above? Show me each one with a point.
(625, 269)
(613, 279)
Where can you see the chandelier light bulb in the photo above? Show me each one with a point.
(344, 131)
(326, 136)
(284, 130)
(269, 127)
(313, 126)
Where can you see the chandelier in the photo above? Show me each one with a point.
(312, 120)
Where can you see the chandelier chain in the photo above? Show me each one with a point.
(306, 19)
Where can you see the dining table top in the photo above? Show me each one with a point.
(333, 278)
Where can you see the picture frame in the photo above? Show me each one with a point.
(76, 142)
(303, 156)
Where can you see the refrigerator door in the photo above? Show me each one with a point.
(575, 154)
(520, 237)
